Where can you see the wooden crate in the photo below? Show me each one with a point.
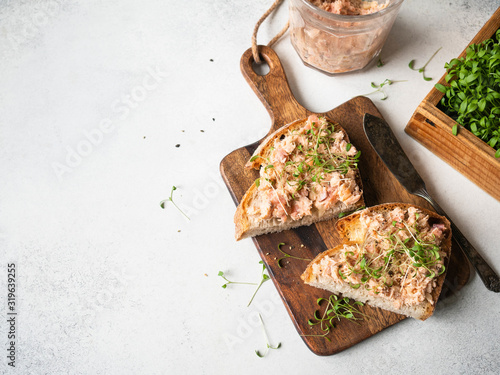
(465, 152)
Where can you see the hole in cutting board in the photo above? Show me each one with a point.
(261, 69)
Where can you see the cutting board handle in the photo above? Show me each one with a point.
(272, 89)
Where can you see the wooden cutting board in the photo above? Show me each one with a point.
(306, 242)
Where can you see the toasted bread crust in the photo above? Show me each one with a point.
(241, 218)
(245, 228)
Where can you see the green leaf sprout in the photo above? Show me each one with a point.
(335, 310)
(422, 69)
(286, 255)
(221, 274)
(379, 88)
(264, 278)
(268, 345)
(171, 199)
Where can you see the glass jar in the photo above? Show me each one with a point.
(336, 43)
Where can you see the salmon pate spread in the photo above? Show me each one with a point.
(307, 171)
(399, 260)
(349, 7)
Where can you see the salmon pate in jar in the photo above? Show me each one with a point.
(339, 36)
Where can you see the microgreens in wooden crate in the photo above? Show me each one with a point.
(472, 96)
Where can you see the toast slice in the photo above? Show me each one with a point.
(395, 257)
(308, 173)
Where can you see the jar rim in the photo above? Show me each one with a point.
(351, 18)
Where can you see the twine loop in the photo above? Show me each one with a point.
(255, 51)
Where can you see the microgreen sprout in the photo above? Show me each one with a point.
(171, 199)
(420, 254)
(422, 69)
(380, 63)
(379, 88)
(268, 345)
(264, 278)
(221, 274)
(286, 255)
(335, 310)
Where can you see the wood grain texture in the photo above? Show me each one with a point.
(306, 242)
(465, 152)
